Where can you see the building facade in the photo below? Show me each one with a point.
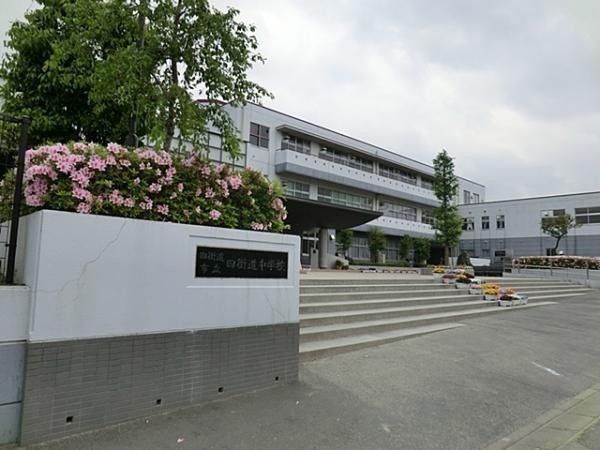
(333, 182)
(512, 228)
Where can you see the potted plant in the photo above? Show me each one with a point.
(438, 273)
(463, 281)
(506, 297)
(475, 288)
(448, 278)
(490, 292)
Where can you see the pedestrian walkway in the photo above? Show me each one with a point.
(560, 428)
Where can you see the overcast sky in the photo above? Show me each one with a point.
(511, 89)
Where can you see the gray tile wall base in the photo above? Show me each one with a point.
(82, 385)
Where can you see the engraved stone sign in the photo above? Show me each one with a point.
(216, 262)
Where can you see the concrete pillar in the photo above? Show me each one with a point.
(323, 247)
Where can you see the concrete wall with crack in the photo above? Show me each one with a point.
(120, 325)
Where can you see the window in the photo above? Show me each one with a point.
(345, 198)
(427, 184)
(398, 211)
(396, 173)
(217, 156)
(485, 222)
(259, 135)
(466, 197)
(468, 224)
(583, 216)
(296, 189)
(427, 216)
(346, 159)
(392, 249)
(296, 144)
(500, 222)
(359, 248)
(475, 198)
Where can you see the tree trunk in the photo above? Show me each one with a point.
(170, 121)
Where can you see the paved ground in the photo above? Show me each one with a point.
(461, 389)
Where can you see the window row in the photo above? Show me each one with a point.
(469, 223)
(344, 198)
(296, 189)
(346, 159)
(398, 174)
(398, 211)
(587, 215)
(296, 144)
(469, 197)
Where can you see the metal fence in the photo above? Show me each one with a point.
(586, 276)
(13, 143)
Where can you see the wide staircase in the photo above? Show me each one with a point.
(343, 314)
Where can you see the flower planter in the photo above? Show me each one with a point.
(490, 297)
(475, 291)
(448, 280)
(505, 303)
(437, 276)
(462, 286)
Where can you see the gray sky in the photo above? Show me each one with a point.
(511, 89)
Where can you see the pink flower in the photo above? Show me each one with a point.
(125, 162)
(155, 187)
(82, 177)
(163, 209)
(214, 214)
(128, 202)
(84, 208)
(235, 181)
(209, 193)
(33, 200)
(64, 165)
(81, 194)
(79, 146)
(146, 204)
(137, 181)
(111, 160)
(277, 204)
(180, 187)
(257, 226)
(116, 198)
(205, 170)
(97, 163)
(173, 195)
(113, 148)
(220, 168)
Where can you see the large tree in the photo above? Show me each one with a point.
(48, 70)
(558, 227)
(447, 221)
(376, 242)
(344, 239)
(102, 70)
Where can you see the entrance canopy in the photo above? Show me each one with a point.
(304, 214)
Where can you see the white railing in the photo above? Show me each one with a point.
(588, 277)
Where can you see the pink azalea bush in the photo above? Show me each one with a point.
(572, 262)
(145, 184)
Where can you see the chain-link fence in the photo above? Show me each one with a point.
(13, 143)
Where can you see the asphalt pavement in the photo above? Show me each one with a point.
(464, 388)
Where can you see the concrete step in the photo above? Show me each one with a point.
(312, 307)
(319, 349)
(365, 315)
(348, 295)
(327, 288)
(343, 280)
(342, 294)
(334, 331)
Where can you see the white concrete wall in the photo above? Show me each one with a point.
(14, 313)
(523, 217)
(93, 276)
